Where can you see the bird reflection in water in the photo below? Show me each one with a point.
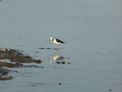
(57, 59)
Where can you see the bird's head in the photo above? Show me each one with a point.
(51, 38)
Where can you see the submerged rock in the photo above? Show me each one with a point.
(4, 71)
(59, 83)
(4, 74)
(10, 65)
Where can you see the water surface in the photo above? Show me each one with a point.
(93, 36)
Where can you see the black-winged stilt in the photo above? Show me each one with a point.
(56, 41)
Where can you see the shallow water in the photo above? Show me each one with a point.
(93, 36)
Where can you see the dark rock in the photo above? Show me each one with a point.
(48, 48)
(19, 65)
(16, 56)
(55, 48)
(10, 65)
(59, 83)
(41, 48)
(4, 71)
(4, 74)
(63, 62)
(37, 61)
(32, 66)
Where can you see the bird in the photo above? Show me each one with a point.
(56, 41)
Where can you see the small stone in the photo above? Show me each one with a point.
(48, 48)
(63, 62)
(41, 48)
(59, 83)
(57, 62)
(37, 61)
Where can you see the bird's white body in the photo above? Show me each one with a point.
(55, 42)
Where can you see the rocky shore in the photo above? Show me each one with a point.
(15, 58)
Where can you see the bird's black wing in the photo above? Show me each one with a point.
(58, 40)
